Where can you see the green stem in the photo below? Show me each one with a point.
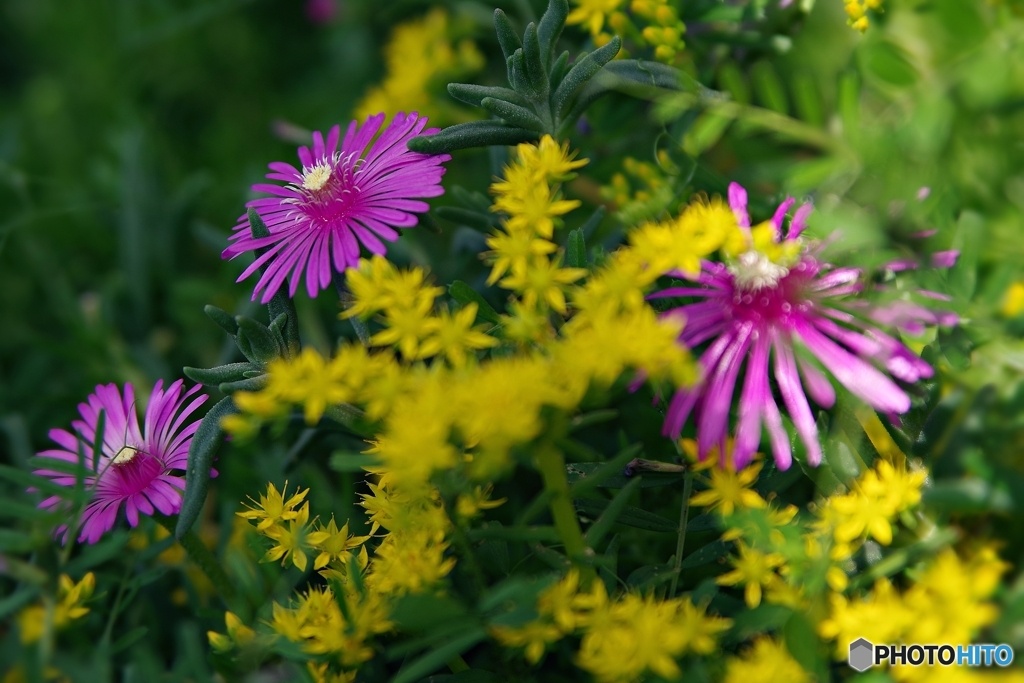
(552, 468)
(684, 518)
(203, 558)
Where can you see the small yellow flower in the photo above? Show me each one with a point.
(273, 508)
(533, 637)
(593, 13)
(333, 543)
(69, 606)
(238, 634)
(767, 661)
(728, 491)
(454, 334)
(470, 504)
(406, 328)
(513, 251)
(291, 542)
(1013, 300)
(754, 569)
(543, 280)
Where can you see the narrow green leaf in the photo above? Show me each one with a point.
(531, 534)
(533, 61)
(521, 81)
(768, 87)
(550, 28)
(261, 340)
(595, 220)
(437, 658)
(18, 599)
(650, 576)
(514, 114)
(28, 480)
(592, 418)
(129, 639)
(472, 134)
(464, 294)
(251, 384)
(97, 445)
(580, 73)
(576, 250)
(630, 516)
(13, 541)
(224, 320)
(558, 69)
(508, 39)
(343, 461)
(611, 514)
(474, 94)
(211, 377)
(586, 476)
(207, 440)
(706, 554)
(482, 222)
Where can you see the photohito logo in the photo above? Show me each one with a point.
(864, 655)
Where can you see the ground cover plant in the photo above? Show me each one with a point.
(611, 340)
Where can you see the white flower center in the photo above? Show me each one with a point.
(313, 179)
(753, 271)
(125, 455)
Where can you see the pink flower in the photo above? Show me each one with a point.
(794, 320)
(339, 200)
(134, 466)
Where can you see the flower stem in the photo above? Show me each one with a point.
(203, 558)
(552, 468)
(684, 518)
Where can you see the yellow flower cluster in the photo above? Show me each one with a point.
(1013, 300)
(71, 597)
(286, 524)
(857, 11)
(663, 29)
(622, 638)
(640, 191)
(531, 200)
(237, 635)
(947, 603)
(420, 57)
(767, 661)
(407, 304)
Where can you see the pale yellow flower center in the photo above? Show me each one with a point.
(313, 179)
(125, 455)
(753, 270)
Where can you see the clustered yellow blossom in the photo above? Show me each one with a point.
(662, 28)
(529, 197)
(621, 637)
(1013, 300)
(641, 190)
(766, 661)
(407, 304)
(947, 602)
(286, 523)
(237, 634)
(857, 11)
(420, 57)
(71, 596)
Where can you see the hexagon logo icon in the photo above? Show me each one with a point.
(862, 655)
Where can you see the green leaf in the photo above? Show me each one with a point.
(129, 639)
(650, 576)
(438, 657)
(576, 250)
(550, 28)
(527, 534)
(14, 541)
(18, 599)
(261, 340)
(887, 62)
(423, 611)
(805, 646)
(585, 476)
(768, 87)
(212, 377)
(472, 134)
(343, 461)
(706, 554)
(27, 480)
(475, 94)
(533, 62)
(582, 471)
(971, 495)
(467, 676)
(514, 114)
(207, 440)
(482, 222)
(558, 69)
(630, 516)
(464, 294)
(508, 39)
(224, 320)
(580, 73)
(764, 617)
(970, 236)
(706, 522)
(519, 590)
(592, 418)
(611, 514)
(251, 384)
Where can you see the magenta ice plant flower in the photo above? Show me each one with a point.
(342, 196)
(775, 309)
(135, 466)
